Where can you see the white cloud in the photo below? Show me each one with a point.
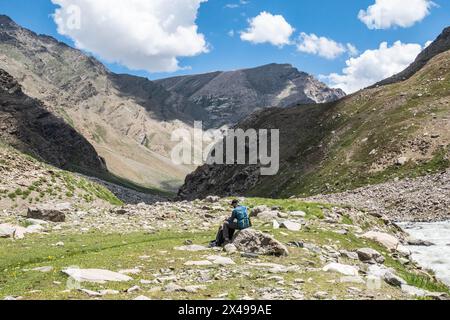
(268, 28)
(374, 65)
(324, 47)
(140, 34)
(385, 14)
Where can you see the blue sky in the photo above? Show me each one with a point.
(335, 20)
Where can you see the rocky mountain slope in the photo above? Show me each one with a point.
(28, 125)
(440, 45)
(128, 119)
(375, 135)
(228, 97)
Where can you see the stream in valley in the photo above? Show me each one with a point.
(436, 257)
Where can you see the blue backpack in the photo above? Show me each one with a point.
(243, 221)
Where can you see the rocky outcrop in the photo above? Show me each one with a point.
(339, 146)
(253, 241)
(228, 97)
(440, 45)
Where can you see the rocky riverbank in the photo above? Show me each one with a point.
(424, 199)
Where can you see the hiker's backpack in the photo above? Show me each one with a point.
(243, 220)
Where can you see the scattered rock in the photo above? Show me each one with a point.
(352, 279)
(96, 275)
(292, 226)
(43, 269)
(299, 214)
(393, 280)
(198, 263)
(252, 241)
(142, 298)
(413, 291)
(268, 215)
(212, 199)
(7, 231)
(131, 271)
(257, 210)
(341, 268)
(230, 248)
(223, 261)
(369, 255)
(419, 243)
(134, 289)
(50, 212)
(385, 239)
(192, 248)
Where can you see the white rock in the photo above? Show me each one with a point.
(142, 298)
(413, 291)
(404, 251)
(109, 292)
(96, 275)
(134, 289)
(230, 248)
(275, 225)
(43, 269)
(223, 261)
(198, 263)
(299, 214)
(341, 268)
(130, 271)
(292, 226)
(91, 293)
(268, 215)
(385, 239)
(192, 248)
(7, 231)
(352, 279)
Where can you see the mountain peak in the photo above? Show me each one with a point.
(6, 21)
(438, 46)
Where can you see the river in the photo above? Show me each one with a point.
(436, 257)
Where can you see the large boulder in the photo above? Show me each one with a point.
(369, 255)
(50, 212)
(384, 239)
(7, 231)
(96, 275)
(252, 241)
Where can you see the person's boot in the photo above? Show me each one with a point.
(226, 242)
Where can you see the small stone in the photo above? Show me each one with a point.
(134, 289)
(299, 214)
(393, 280)
(341, 268)
(369, 255)
(230, 248)
(198, 263)
(142, 298)
(192, 248)
(43, 269)
(219, 260)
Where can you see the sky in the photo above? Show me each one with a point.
(347, 44)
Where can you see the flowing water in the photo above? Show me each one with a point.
(436, 257)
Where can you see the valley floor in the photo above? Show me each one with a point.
(153, 245)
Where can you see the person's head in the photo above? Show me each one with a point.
(235, 203)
